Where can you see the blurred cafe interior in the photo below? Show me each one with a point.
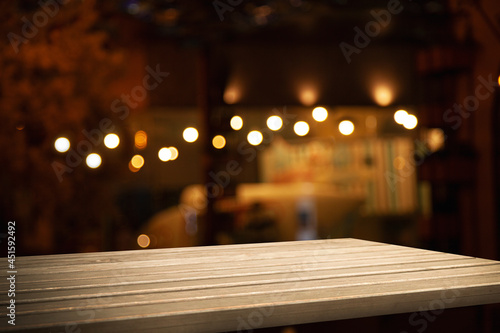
(131, 124)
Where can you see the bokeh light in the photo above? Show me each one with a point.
(111, 140)
(164, 154)
(132, 168)
(320, 114)
(137, 161)
(308, 95)
(219, 141)
(174, 153)
(346, 127)
(141, 139)
(383, 95)
(93, 160)
(190, 134)
(301, 128)
(236, 123)
(62, 144)
(410, 122)
(274, 123)
(400, 116)
(435, 139)
(255, 138)
(143, 241)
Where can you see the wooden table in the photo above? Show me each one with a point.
(240, 287)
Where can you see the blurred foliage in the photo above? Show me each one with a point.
(55, 84)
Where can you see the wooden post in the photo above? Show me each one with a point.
(205, 105)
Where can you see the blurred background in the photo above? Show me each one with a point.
(131, 124)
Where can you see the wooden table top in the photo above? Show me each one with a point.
(240, 287)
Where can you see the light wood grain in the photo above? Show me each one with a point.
(226, 288)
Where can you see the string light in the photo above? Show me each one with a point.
(137, 161)
(236, 123)
(255, 138)
(400, 116)
(93, 160)
(320, 114)
(346, 127)
(274, 123)
(164, 154)
(219, 141)
(111, 141)
(174, 153)
(301, 128)
(62, 144)
(410, 122)
(141, 139)
(190, 134)
(143, 241)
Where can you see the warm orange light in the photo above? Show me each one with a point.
(346, 127)
(174, 153)
(400, 116)
(233, 91)
(301, 128)
(255, 138)
(320, 114)
(111, 140)
(231, 95)
(435, 139)
(137, 161)
(410, 122)
(143, 241)
(308, 94)
(62, 144)
(141, 139)
(383, 95)
(164, 154)
(132, 168)
(190, 134)
(274, 123)
(236, 123)
(93, 160)
(219, 141)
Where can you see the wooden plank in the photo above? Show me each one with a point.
(294, 301)
(421, 262)
(297, 276)
(240, 285)
(199, 261)
(145, 256)
(224, 288)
